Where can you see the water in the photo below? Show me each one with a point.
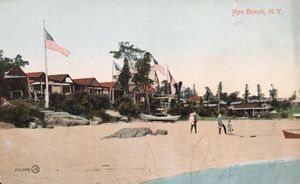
(269, 172)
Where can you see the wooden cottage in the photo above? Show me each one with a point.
(61, 83)
(37, 83)
(89, 85)
(112, 89)
(16, 84)
(250, 109)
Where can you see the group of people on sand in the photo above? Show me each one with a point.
(193, 119)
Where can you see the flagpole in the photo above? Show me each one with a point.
(168, 95)
(112, 80)
(46, 69)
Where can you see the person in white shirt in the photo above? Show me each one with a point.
(193, 120)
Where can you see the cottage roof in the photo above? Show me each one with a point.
(245, 106)
(87, 82)
(108, 84)
(35, 74)
(16, 71)
(59, 77)
(194, 98)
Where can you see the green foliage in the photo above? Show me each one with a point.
(154, 104)
(126, 107)
(6, 64)
(273, 93)
(284, 115)
(80, 103)
(246, 94)
(208, 94)
(99, 113)
(56, 101)
(20, 112)
(177, 108)
(124, 77)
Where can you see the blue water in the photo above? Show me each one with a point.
(271, 172)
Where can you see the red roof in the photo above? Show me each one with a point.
(35, 74)
(16, 71)
(58, 78)
(195, 98)
(87, 82)
(108, 84)
(245, 105)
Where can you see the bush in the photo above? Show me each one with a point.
(177, 108)
(81, 103)
(20, 112)
(56, 101)
(284, 115)
(126, 107)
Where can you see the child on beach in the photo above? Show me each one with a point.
(229, 127)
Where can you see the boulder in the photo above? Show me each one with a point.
(161, 132)
(32, 125)
(52, 118)
(96, 121)
(131, 132)
(4, 125)
(113, 113)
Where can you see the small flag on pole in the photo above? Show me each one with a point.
(52, 45)
(172, 82)
(159, 67)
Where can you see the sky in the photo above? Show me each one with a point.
(200, 41)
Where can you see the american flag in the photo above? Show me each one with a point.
(52, 45)
(159, 67)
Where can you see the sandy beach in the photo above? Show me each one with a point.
(80, 155)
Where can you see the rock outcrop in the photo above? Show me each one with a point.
(135, 132)
(52, 119)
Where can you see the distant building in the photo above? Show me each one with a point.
(296, 102)
(16, 84)
(37, 83)
(195, 100)
(112, 89)
(89, 85)
(61, 83)
(250, 109)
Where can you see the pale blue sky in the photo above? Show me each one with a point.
(199, 40)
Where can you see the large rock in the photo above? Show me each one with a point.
(161, 132)
(4, 125)
(131, 132)
(96, 121)
(52, 118)
(116, 116)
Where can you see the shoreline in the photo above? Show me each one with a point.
(77, 154)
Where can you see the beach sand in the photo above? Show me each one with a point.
(80, 155)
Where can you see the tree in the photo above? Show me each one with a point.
(6, 64)
(187, 92)
(141, 77)
(129, 52)
(260, 95)
(273, 93)
(220, 88)
(208, 94)
(177, 87)
(233, 97)
(293, 96)
(246, 94)
(124, 77)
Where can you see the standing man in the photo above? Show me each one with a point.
(220, 124)
(193, 121)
